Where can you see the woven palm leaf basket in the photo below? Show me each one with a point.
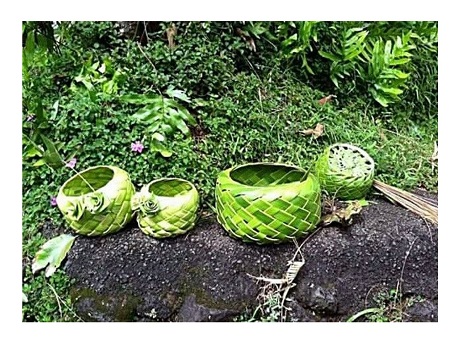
(267, 202)
(345, 171)
(97, 201)
(166, 207)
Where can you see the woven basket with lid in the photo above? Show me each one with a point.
(166, 207)
(345, 171)
(267, 202)
(97, 201)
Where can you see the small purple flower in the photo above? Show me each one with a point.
(71, 163)
(30, 117)
(137, 147)
(53, 201)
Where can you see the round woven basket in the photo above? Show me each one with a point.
(345, 171)
(166, 207)
(267, 202)
(97, 201)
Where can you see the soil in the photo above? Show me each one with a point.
(204, 275)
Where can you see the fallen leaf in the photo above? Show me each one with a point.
(434, 156)
(171, 31)
(52, 253)
(344, 215)
(326, 99)
(245, 36)
(317, 132)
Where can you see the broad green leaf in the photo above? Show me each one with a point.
(102, 69)
(30, 43)
(158, 136)
(390, 90)
(363, 312)
(52, 253)
(379, 98)
(85, 82)
(51, 155)
(159, 147)
(38, 163)
(154, 127)
(38, 110)
(24, 298)
(145, 112)
(400, 61)
(55, 110)
(329, 56)
(180, 124)
(166, 128)
(171, 92)
(141, 99)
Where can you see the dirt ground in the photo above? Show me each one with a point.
(203, 275)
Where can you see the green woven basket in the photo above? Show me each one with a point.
(97, 200)
(267, 202)
(166, 207)
(345, 171)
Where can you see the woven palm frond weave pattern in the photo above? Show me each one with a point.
(97, 201)
(166, 207)
(267, 202)
(345, 171)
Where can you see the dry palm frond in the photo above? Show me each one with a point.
(422, 206)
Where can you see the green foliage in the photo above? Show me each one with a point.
(297, 45)
(100, 79)
(382, 58)
(344, 52)
(385, 80)
(162, 115)
(390, 307)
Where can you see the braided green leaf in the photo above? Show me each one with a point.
(97, 201)
(345, 171)
(267, 202)
(166, 207)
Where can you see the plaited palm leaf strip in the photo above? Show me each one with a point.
(345, 171)
(100, 208)
(267, 202)
(173, 207)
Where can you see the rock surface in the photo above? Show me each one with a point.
(204, 275)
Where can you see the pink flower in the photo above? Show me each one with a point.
(53, 201)
(137, 147)
(71, 163)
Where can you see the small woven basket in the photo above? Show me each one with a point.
(345, 171)
(267, 202)
(166, 207)
(97, 201)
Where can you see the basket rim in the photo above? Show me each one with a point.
(110, 167)
(146, 187)
(227, 173)
(354, 147)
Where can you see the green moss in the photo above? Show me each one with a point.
(120, 308)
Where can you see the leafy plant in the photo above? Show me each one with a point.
(163, 116)
(390, 307)
(385, 80)
(344, 53)
(100, 79)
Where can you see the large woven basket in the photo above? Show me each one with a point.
(345, 171)
(166, 207)
(267, 202)
(97, 201)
